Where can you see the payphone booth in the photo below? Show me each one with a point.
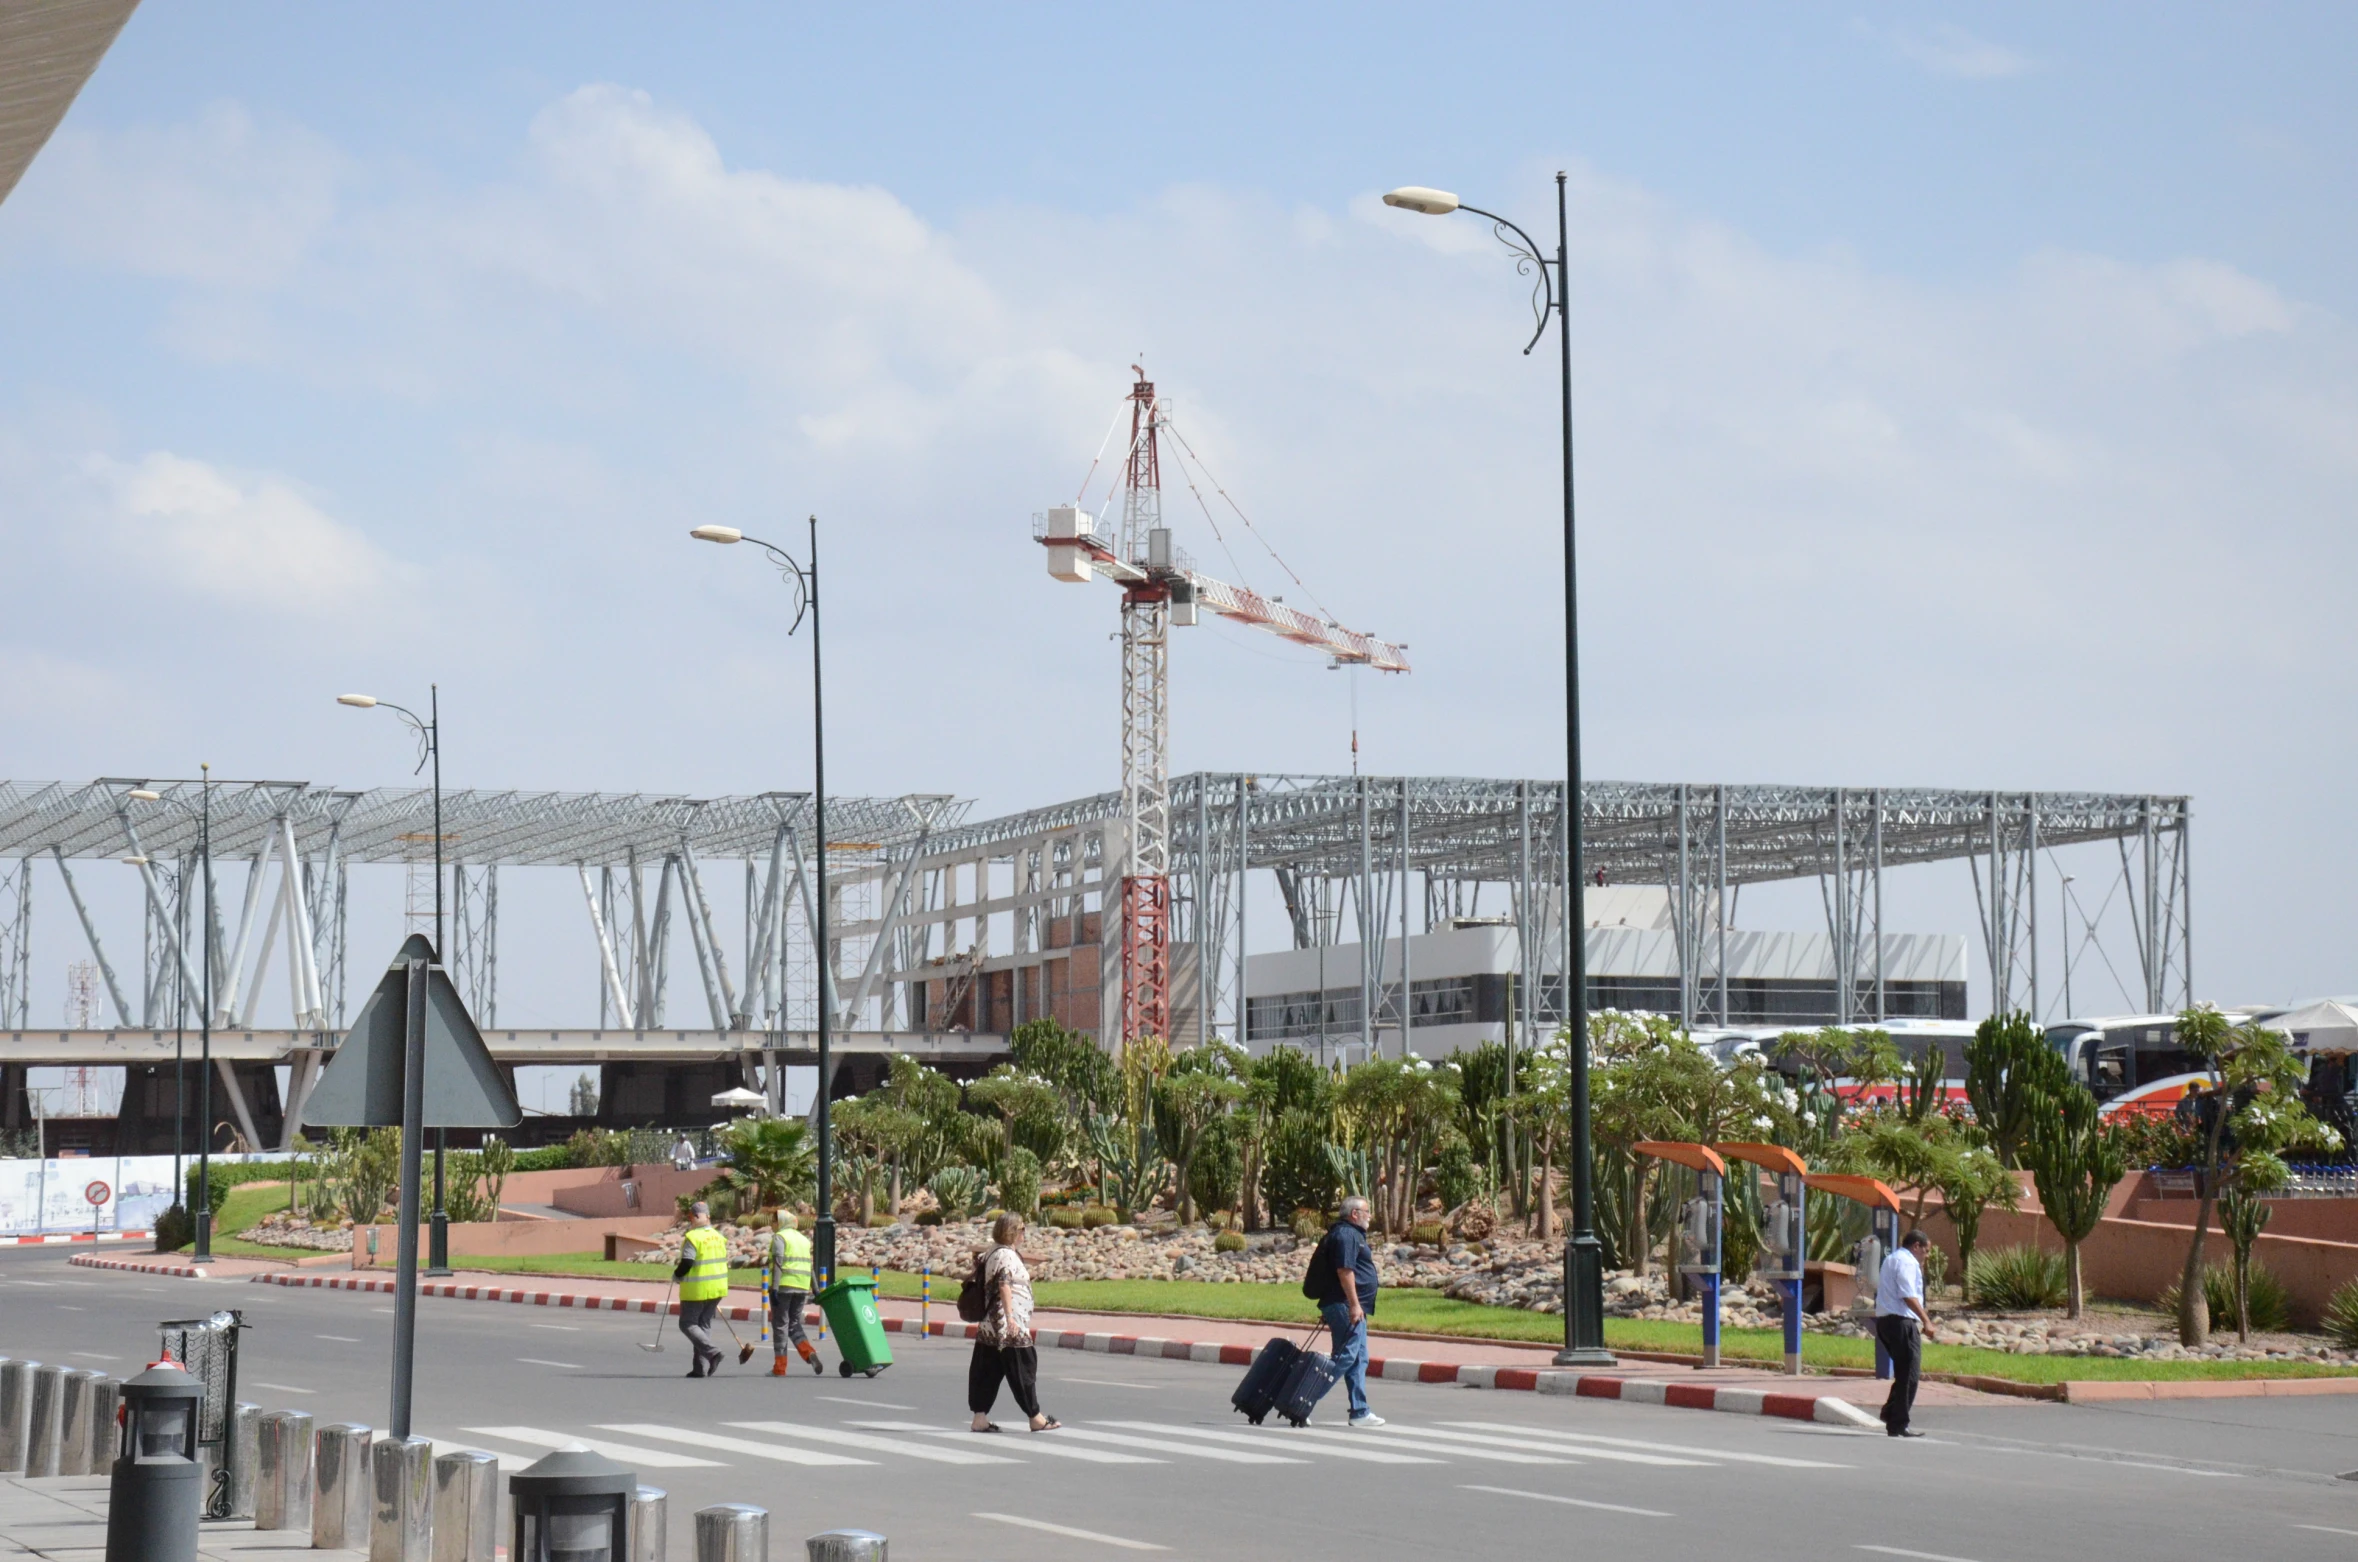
(1784, 1235)
(1699, 1226)
(1883, 1207)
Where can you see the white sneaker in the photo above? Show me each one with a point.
(1368, 1421)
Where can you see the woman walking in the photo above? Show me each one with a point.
(1003, 1350)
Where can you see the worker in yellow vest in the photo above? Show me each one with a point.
(789, 1287)
(703, 1274)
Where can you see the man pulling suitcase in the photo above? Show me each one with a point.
(1342, 1280)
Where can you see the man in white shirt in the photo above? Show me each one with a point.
(1899, 1314)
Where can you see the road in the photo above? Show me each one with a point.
(1155, 1462)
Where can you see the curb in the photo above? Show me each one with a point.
(1824, 1408)
(175, 1271)
(86, 1236)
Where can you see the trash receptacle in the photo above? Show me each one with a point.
(850, 1306)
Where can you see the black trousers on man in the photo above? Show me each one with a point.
(1902, 1340)
(1018, 1367)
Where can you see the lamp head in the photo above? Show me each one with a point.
(358, 701)
(136, 862)
(716, 534)
(1417, 198)
(141, 794)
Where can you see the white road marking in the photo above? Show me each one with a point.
(1112, 1383)
(534, 1437)
(535, 1361)
(560, 1328)
(732, 1445)
(1917, 1556)
(91, 1355)
(340, 1339)
(1040, 1444)
(1570, 1502)
(1619, 1455)
(1164, 1445)
(1076, 1534)
(864, 1404)
(387, 1311)
(887, 1445)
(1781, 1460)
(283, 1388)
(69, 1307)
(1270, 1438)
(2326, 1529)
(1435, 1446)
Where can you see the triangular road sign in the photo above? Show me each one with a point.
(361, 1087)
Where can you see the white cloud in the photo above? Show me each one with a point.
(1946, 49)
(256, 541)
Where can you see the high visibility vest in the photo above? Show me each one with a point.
(790, 1261)
(708, 1277)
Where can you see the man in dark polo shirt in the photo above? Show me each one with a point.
(1344, 1270)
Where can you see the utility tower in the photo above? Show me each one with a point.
(1161, 591)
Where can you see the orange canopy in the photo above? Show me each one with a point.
(1773, 1156)
(1699, 1156)
(1866, 1190)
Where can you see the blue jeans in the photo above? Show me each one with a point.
(1350, 1351)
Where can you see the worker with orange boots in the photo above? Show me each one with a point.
(787, 1281)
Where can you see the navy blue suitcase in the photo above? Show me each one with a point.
(1266, 1379)
(1312, 1375)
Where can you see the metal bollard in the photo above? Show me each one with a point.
(401, 1502)
(649, 1506)
(282, 1471)
(41, 1424)
(239, 1440)
(340, 1488)
(16, 1384)
(732, 1532)
(846, 1545)
(106, 1403)
(73, 1422)
(466, 1507)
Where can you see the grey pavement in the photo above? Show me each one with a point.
(1154, 1461)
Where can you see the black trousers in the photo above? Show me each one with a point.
(1903, 1340)
(696, 1319)
(1018, 1367)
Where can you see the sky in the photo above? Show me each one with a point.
(1966, 396)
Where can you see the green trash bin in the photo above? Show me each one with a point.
(850, 1306)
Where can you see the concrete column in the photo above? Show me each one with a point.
(649, 1507)
(282, 1471)
(466, 1507)
(73, 1422)
(41, 1421)
(846, 1545)
(732, 1532)
(401, 1501)
(340, 1488)
(106, 1401)
(16, 1390)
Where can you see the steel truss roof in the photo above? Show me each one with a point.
(1467, 828)
(396, 824)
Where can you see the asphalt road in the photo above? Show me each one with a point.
(1155, 1461)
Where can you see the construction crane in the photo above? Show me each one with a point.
(1162, 591)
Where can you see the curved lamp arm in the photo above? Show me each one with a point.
(790, 569)
(1527, 260)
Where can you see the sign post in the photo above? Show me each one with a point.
(96, 1195)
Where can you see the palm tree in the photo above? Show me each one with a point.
(772, 1161)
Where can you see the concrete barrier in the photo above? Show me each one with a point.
(466, 1507)
(73, 1422)
(732, 1532)
(41, 1426)
(340, 1488)
(282, 1471)
(401, 1501)
(649, 1523)
(16, 1387)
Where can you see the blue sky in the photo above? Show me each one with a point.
(1966, 397)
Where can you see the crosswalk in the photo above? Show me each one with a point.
(655, 1445)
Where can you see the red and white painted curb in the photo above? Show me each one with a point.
(1731, 1398)
(77, 1236)
(175, 1271)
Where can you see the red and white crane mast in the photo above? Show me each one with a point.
(1159, 592)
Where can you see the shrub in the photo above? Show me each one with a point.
(1064, 1217)
(959, 1191)
(555, 1157)
(879, 1222)
(1428, 1233)
(2341, 1316)
(1455, 1174)
(1019, 1182)
(2271, 1303)
(219, 1187)
(1228, 1242)
(176, 1228)
(1297, 1173)
(1216, 1176)
(2017, 1279)
(1098, 1215)
(1309, 1224)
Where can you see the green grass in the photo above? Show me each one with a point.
(247, 1205)
(1427, 1312)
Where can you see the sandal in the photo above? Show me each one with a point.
(992, 1426)
(1049, 1425)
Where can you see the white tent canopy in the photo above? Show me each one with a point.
(741, 1098)
(2328, 1025)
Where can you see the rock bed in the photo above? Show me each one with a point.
(278, 1231)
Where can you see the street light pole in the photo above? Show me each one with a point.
(1584, 1263)
(806, 587)
(204, 1209)
(429, 731)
